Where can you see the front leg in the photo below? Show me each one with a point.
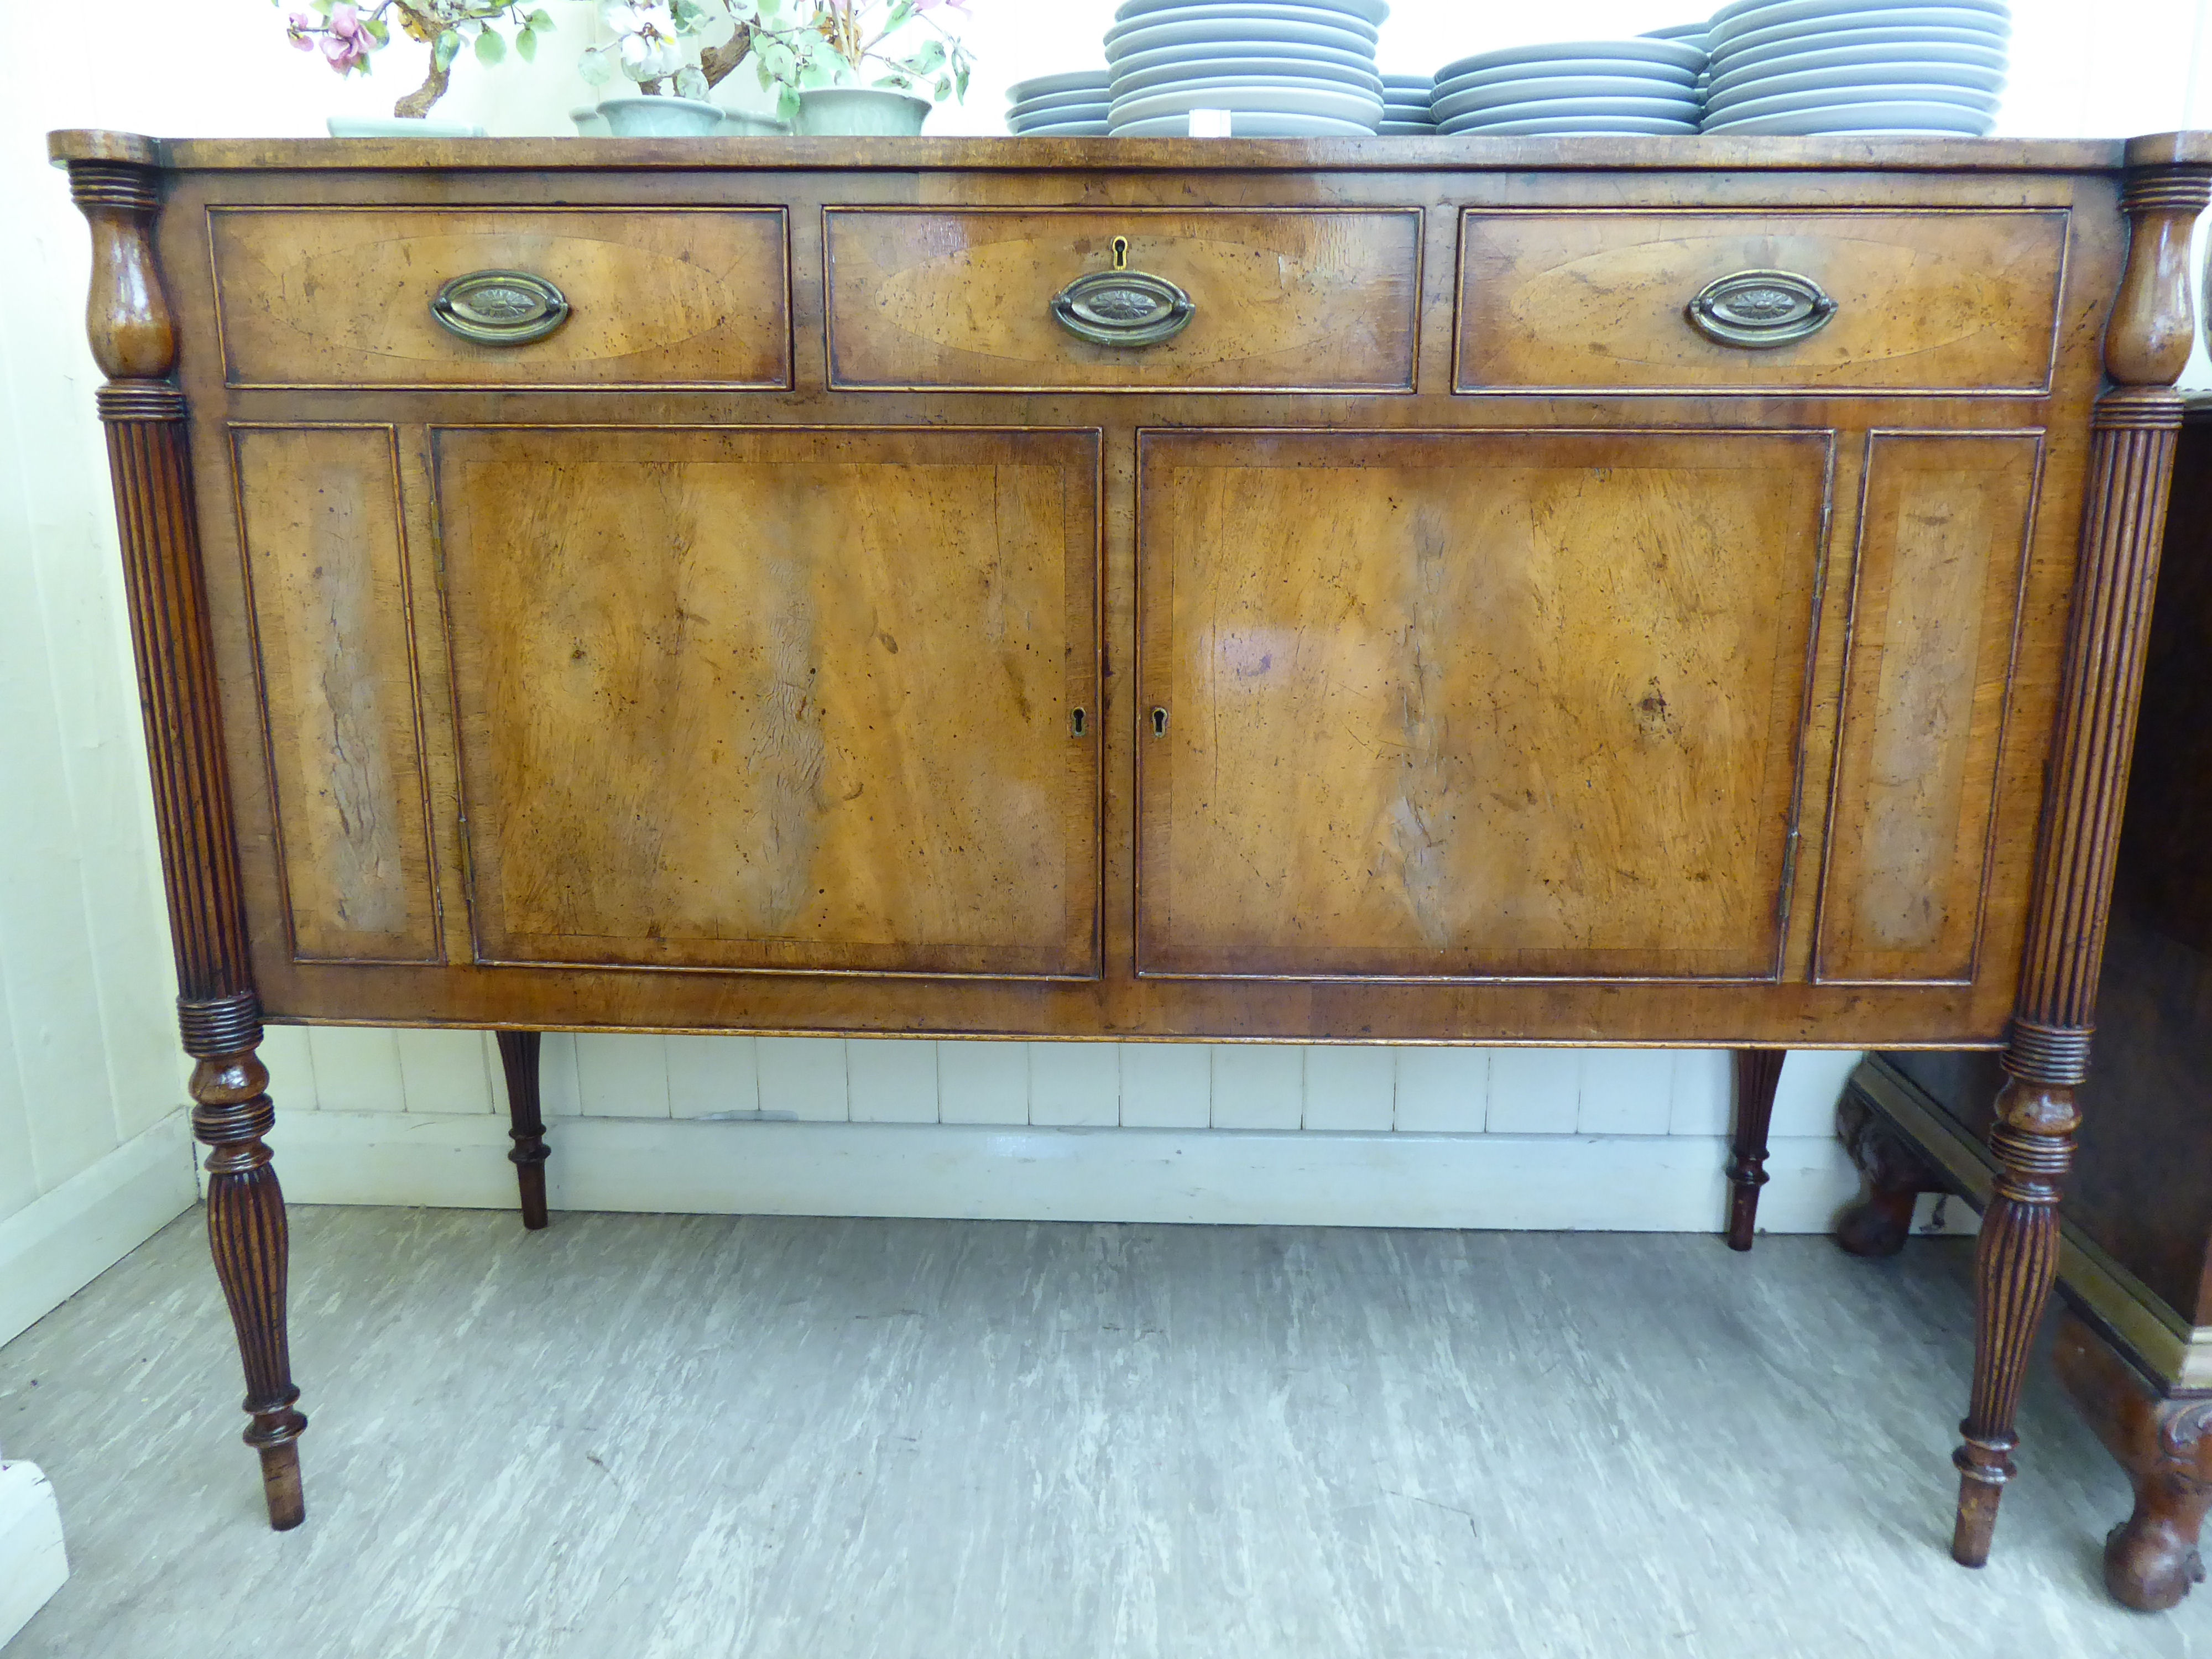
(1757, 1074)
(2166, 1446)
(517, 1058)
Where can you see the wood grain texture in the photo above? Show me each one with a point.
(1942, 548)
(1504, 705)
(336, 657)
(778, 699)
(334, 296)
(1320, 299)
(1929, 300)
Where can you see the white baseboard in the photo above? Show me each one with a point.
(1669, 1183)
(33, 1565)
(58, 1244)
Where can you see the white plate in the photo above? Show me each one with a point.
(1370, 12)
(1406, 129)
(1689, 33)
(1062, 100)
(1866, 118)
(1984, 84)
(1637, 50)
(1246, 123)
(1066, 130)
(1419, 84)
(1538, 109)
(1611, 68)
(1742, 108)
(1566, 125)
(1207, 51)
(1741, 14)
(1055, 117)
(1899, 42)
(1954, 59)
(1044, 86)
(1238, 22)
(1338, 103)
(1406, 111)
(1534, 86)
(1971, 26)
(1262, 68)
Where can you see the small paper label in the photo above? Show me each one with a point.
(1209, 123)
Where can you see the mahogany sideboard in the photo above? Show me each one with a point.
(1657, 590)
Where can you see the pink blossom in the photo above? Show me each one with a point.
(295, 31)
(348, 43)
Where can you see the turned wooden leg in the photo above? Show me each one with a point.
(2166, 1446)
(1895, 1176)
(1758, 1074)
(246, 1234)
(518, 1057)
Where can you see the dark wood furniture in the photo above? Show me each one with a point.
(1499, 591)
(2136, 1266)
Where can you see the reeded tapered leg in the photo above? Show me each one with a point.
(1895, 1176)
(518, 1057)
(1758, 1074)
(246, 1234)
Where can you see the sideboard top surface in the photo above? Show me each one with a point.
(1702, 153)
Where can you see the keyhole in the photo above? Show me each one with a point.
(1159, 722)
(1121, 254)
(1077, 722)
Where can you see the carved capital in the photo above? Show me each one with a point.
(127, 316)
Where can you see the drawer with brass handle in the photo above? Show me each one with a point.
(1215, 300)
(1923, 300)
(503, 297)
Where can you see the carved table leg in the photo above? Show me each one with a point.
(518, 1056)
(1895, 1174)
(2166, 1446)
(149, 462)
(1758, 1074)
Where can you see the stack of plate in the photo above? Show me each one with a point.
(1294, 69)
(1807, 66)
(1071, 106)
(1584, 85)
(1687, 34)
(1406, 110)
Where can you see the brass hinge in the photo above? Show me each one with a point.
(1788, 880)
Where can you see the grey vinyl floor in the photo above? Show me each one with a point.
(647, 1436)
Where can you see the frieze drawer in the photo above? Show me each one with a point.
(1604, 300)
(510, 297)
(996, 299)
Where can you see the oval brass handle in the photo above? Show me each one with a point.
(1760, 309)
(1122, 308)
(500, 308)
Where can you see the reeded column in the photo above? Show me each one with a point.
(117, 182)
(2147, 344)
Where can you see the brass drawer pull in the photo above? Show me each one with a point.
(500, 308)
(1122, 308)
(1760, 309)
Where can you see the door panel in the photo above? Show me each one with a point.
(777, 698)
(1942, 544)
(1477, 704)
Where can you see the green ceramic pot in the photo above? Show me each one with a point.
(858, 112)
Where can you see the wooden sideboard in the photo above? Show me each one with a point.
(1489, 591)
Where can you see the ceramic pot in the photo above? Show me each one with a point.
(590, 123)
(858, 112)
(735, 125)
(661, 117)
(398, 126)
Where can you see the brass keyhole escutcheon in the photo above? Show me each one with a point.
(1076, 722)
(1121, 254)
(1159, 722)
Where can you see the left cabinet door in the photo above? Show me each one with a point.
(776, 699)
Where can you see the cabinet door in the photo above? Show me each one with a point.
(777, 698)
(1504, 704)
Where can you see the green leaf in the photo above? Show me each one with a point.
(960, 80)
(490, 48)
(901, 12)
(929, 57)
(597, 66)
(944, 87)
(540, 21)
(448, 47)
(378, 29)
(786, 104)
(525, 44)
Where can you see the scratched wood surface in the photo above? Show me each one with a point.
(1943, 299)
(665, 1437)
(772, 699)
(1317, 299)
(321, 506)
(1510, 704)
(342, 296)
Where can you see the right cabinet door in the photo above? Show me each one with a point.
(1477, 705)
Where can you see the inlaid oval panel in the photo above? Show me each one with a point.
(1931, 299)
(1313, 298)
(334, 296)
